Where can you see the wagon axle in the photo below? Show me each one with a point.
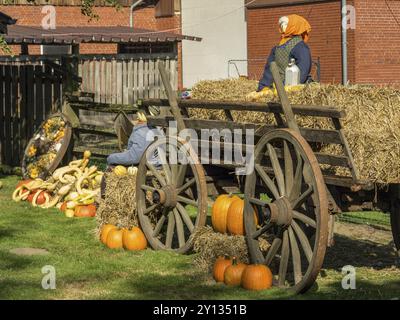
(166, 196)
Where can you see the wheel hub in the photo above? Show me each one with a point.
(281, 212)
(166, 196)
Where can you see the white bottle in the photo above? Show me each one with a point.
(292, 74)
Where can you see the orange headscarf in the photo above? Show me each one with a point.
(297, 26)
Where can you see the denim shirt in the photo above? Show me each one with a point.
(142, 136)
(301, 53)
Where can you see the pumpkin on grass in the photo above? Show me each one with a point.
(134, 239)
(220, 212)
(220, 266)
(114, 238)
(31, 195)
(104, 232)
(88, 211)
(23, 182)
(234, 221)
(257, 277)
(233, 273)
(63, 206)
(41, 198)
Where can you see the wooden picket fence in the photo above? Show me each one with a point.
(123, 79)
(28, 94)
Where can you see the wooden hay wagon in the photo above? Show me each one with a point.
(295, 199)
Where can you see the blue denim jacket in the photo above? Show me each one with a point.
(142, 136)
(301, 53)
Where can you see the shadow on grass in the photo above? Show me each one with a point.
(360, 253)
(6, 233)
(20, 289)
(364, 290)
(9, 261)
(191, 287)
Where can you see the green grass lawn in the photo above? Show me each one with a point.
(85, 269)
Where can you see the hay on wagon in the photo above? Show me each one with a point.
(371, 125)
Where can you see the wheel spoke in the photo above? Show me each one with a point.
(303, 218)
(298, 179)
(305, 244)
(181, 174)
(267, 180)
(159, 226)
(170, 230)
(186, 185)
(284, 259)
(262, 230)
(187, 201)
(276, 244)
(296, 258)
(156, 173)
(179, 229)
(151, 208)
(185, 217)
(303, 197)
(277, 169)
(288, 168)
(148, 188)
(258, 202)
(164, 164)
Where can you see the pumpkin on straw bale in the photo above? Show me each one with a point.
(210, 245)
(119, 204)
(371, 125)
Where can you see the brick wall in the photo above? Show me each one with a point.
(108, 16)
(325, 39)
(377, 42)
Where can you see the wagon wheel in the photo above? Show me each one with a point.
(288, 188)
(65, 141)
(171, 195)
(395, 216)
(395, 223)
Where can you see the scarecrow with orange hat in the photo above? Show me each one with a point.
(295, 32)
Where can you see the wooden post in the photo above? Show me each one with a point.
(287, 108)
(173, 101)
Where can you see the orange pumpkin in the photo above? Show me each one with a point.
(31, 195)
(104, 232)
(220, 266)
(233, 273)
(63, 206)
(88, 211)
(40, 198)
(134, 239)
(234, 221)
(114, 239)
(220, 212)
(257, 277)
(23, 182)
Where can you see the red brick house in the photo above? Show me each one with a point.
(153, 15)
(373, 46)
(150, 14)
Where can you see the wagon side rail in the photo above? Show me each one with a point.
(324, 136)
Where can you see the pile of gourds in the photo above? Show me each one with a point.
(117, 238)
(234, 273)
(72, 189)
(227, 215)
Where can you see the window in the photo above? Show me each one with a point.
(147, 48)
(165, 8)
(55, 49)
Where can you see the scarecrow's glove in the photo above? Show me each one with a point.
(294, 89)
(255, 96)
